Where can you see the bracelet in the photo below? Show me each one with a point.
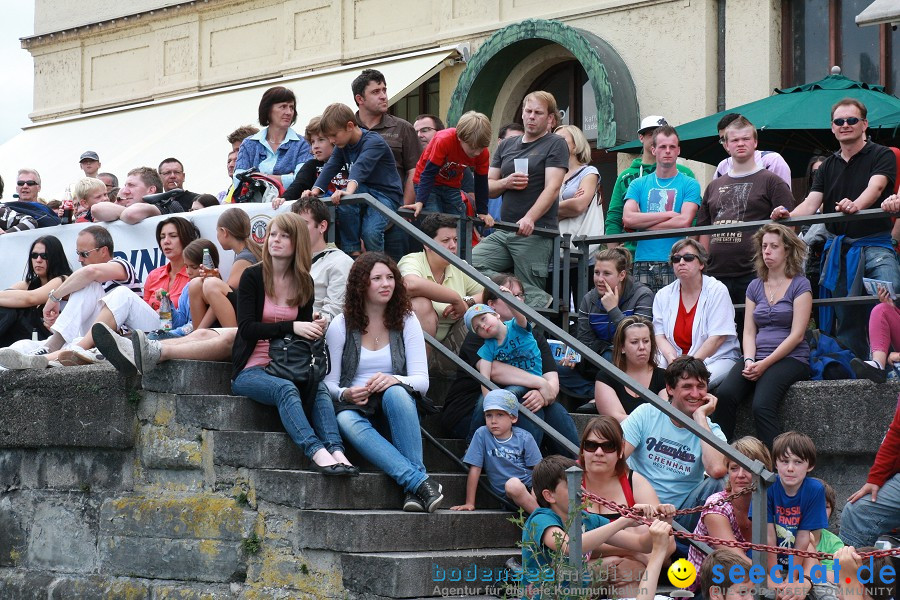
(50, 296)
(748, 359)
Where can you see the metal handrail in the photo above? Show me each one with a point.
(754, 466)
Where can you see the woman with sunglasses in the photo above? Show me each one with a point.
(616, 295)
(21, 306)
(634, 352)
(602, 456)
(776, 355)
(694, 315)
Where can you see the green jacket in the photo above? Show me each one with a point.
(613, 224)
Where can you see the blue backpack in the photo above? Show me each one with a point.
(41, 213)
(828, 359)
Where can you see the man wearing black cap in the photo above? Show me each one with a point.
(644, 165)
(90, 163)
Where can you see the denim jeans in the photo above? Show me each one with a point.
(853, 321)
(445, 199)
(355, 223)
(267, 389)
(402, 460)
(863, 521)
(697, 497)
(555, 415)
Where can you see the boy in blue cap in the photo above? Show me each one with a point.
(510, 342)
(507, 453)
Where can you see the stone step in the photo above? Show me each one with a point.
(309, 490)
(276, 450)
(427, 574)
(196, 377)
(397, 531)
(220, 412)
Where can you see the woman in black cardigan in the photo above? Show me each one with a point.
(275, 297)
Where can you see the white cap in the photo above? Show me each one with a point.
(652, 122)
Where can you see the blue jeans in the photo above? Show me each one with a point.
(853, 321)
(863, 521)
(445, 199)
(402, 460)
(368, 225)
(697, 497)
(554, 415)
(267, 389)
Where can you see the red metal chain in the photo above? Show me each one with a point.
(630, 513)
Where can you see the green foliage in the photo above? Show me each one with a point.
(242, 499)
(251, 545)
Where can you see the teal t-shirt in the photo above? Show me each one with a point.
(655, 195)
(537, 558)
(519, 349)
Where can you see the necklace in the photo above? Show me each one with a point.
(772, 290)
(659, 185)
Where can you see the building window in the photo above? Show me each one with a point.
(821, 34)
(425, 99)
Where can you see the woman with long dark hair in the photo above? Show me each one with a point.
(275, 298)
(378, 366)
(21, 306)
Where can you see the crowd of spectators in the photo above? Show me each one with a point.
(662, 311)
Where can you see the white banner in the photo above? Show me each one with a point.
(135, 243)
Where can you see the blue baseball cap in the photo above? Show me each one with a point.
(501, 399)
(474, 311)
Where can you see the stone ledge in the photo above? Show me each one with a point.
(195, 377)
(87, 407)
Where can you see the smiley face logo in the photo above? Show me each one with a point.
(682, 573)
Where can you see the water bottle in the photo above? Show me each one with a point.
(68, 207)
(34, 335)
(207, 260)
(165, 312)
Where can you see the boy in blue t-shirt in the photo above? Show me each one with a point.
(372, 171)
(509, 342)
(796, 503)
(544, 534)
(505, 452)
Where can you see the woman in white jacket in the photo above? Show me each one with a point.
(695, 316)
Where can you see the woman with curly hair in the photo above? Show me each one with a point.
(21, 306)
(776, 314)
(275, 298)
(378, 364)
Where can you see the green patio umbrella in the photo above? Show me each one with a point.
(793, 121)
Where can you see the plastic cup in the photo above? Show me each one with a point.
(521, 165)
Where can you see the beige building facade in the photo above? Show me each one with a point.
(96, 61)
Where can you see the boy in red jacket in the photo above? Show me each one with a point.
(875, 508)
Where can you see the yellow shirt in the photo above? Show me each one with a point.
(417, 264)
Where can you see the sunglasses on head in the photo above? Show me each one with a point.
(591, 446)
(41, 255)
(28, 182)
(688, 257)
(848, 121)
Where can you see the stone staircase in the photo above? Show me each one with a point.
(181, 490)
(381, 551)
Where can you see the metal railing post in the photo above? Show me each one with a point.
(573, 482)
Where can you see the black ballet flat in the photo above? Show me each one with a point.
(335, 469)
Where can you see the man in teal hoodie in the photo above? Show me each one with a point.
(644, 165)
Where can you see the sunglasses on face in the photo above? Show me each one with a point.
(36, 255)
(688, 257)
(28, 182)
(848, 121)
(590, 446)
(85, 253)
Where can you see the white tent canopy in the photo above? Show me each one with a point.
(190, 128)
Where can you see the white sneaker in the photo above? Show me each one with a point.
(15, 360)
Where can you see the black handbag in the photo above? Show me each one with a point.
(297, 359)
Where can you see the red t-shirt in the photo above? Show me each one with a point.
(445, 151)
(684, 327)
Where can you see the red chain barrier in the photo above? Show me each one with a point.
(630, 513)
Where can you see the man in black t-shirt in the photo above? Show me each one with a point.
(858, 176)
(171, 171)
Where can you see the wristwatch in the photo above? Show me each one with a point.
(53, 298)
(469, 300)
